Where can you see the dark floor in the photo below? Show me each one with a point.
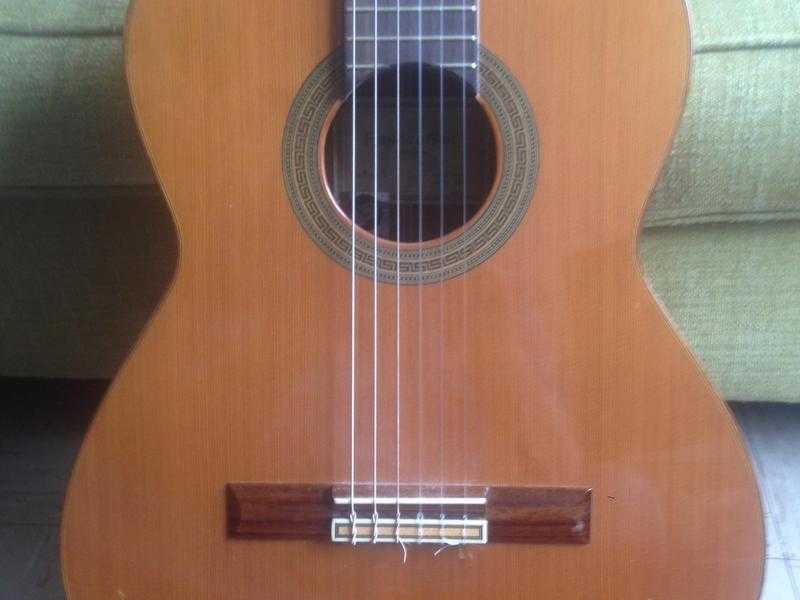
(773, 433)
(41, 428)
(43, 423)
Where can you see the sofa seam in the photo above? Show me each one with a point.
(64, 33)
(721, 47)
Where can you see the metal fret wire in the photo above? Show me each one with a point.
(467, 8)
(446, 65)
(411, 38)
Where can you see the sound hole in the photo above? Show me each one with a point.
(447, 154)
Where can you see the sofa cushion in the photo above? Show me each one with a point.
(58, 17)
(741, 24)
(65, 116)
(735, 157)
(732, 290)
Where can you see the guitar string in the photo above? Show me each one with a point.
(471, 414)
(353, 91)
(420, 215)
(375, 279)
(397, 284)
(464, 294)
(442, 364)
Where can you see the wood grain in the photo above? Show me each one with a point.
(530, 515)
(561, 368)
(280, 511)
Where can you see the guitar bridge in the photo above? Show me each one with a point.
(443, 515)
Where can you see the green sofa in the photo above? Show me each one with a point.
(87, 246)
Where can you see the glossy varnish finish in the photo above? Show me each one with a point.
(571, 375)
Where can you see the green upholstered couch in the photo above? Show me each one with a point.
(86, 244)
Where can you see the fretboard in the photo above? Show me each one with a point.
(435, 32)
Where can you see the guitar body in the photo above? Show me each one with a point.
(567, 370)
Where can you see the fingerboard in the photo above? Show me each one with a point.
(440, 33)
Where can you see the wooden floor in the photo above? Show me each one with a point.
(42, 425)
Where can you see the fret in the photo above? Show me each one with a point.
(453, 65)
(394, 9)
(431, 52)
(427, 24)
(414, 38)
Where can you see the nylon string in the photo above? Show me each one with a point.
(353, 289)
(420, 219)
(442, 364)
(397, 285)
(464, 298)
(375, 282)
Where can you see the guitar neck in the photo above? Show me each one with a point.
(380, 34)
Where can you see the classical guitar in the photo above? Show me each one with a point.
(408, 351)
